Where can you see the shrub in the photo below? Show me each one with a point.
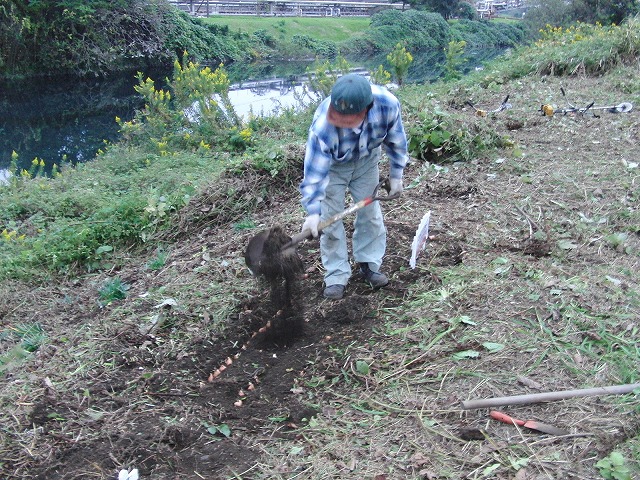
(435, 134)
(416, 29)
(400, 60)
(454, 55)
(100, 36)
(193, 114)
(479, 33)
(320, 48)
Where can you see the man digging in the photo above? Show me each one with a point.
(343, 152)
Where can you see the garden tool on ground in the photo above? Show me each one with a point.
(550, 110)
(530, 424)
(505, 105)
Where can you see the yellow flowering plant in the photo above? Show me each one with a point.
(192, 113)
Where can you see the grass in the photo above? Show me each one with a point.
(88, 214)
(329, 28)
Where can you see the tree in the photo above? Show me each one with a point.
(455, 58)
(467, 10)
(562, 13)
(603, 11)
(400, 60)
(446, 8)
(552, 12)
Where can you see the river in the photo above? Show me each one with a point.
(67, 120)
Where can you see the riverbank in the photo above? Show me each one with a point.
(289, 38)
(118, 37)
(124, 290)
(101, 38)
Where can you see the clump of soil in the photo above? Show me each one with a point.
(282, 270)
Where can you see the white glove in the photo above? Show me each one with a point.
(311, 224)
(395, 185)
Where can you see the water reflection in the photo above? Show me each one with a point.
(62, 120)
(266, 98)
(68, 120)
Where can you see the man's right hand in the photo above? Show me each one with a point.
(311, 225)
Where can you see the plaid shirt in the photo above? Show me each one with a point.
(328, 144)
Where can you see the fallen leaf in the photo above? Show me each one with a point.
(427, 474)
(418, 459)
(529, 383)
(493, 347)
(466, 354)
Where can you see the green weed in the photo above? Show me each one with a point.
(437, 134)
(27, 339)
(245, 224)
(113, 289)
(613, 467)
(81, 218)
(159, 260)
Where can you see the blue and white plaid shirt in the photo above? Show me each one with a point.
(328, 144)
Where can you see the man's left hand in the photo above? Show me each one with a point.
(395, 187)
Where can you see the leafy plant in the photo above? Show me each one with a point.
(362, 367)
(322, 76)
(400, 60)
(29, 337)
(455, 60)
(617, 240)
(159, 260)
(113, 289)
(245, 224)
(429, 135)
(613, 467)
(380, 76)
(193, 113)
(221, 429)
(441, 134)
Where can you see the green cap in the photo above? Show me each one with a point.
(351, 94)
(350, 97)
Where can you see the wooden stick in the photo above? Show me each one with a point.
(549, 396)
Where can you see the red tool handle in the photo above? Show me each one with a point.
(503, 417)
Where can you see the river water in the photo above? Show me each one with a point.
(67, 120)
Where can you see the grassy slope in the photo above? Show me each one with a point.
(329, 28)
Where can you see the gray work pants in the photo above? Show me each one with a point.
(369, 241)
